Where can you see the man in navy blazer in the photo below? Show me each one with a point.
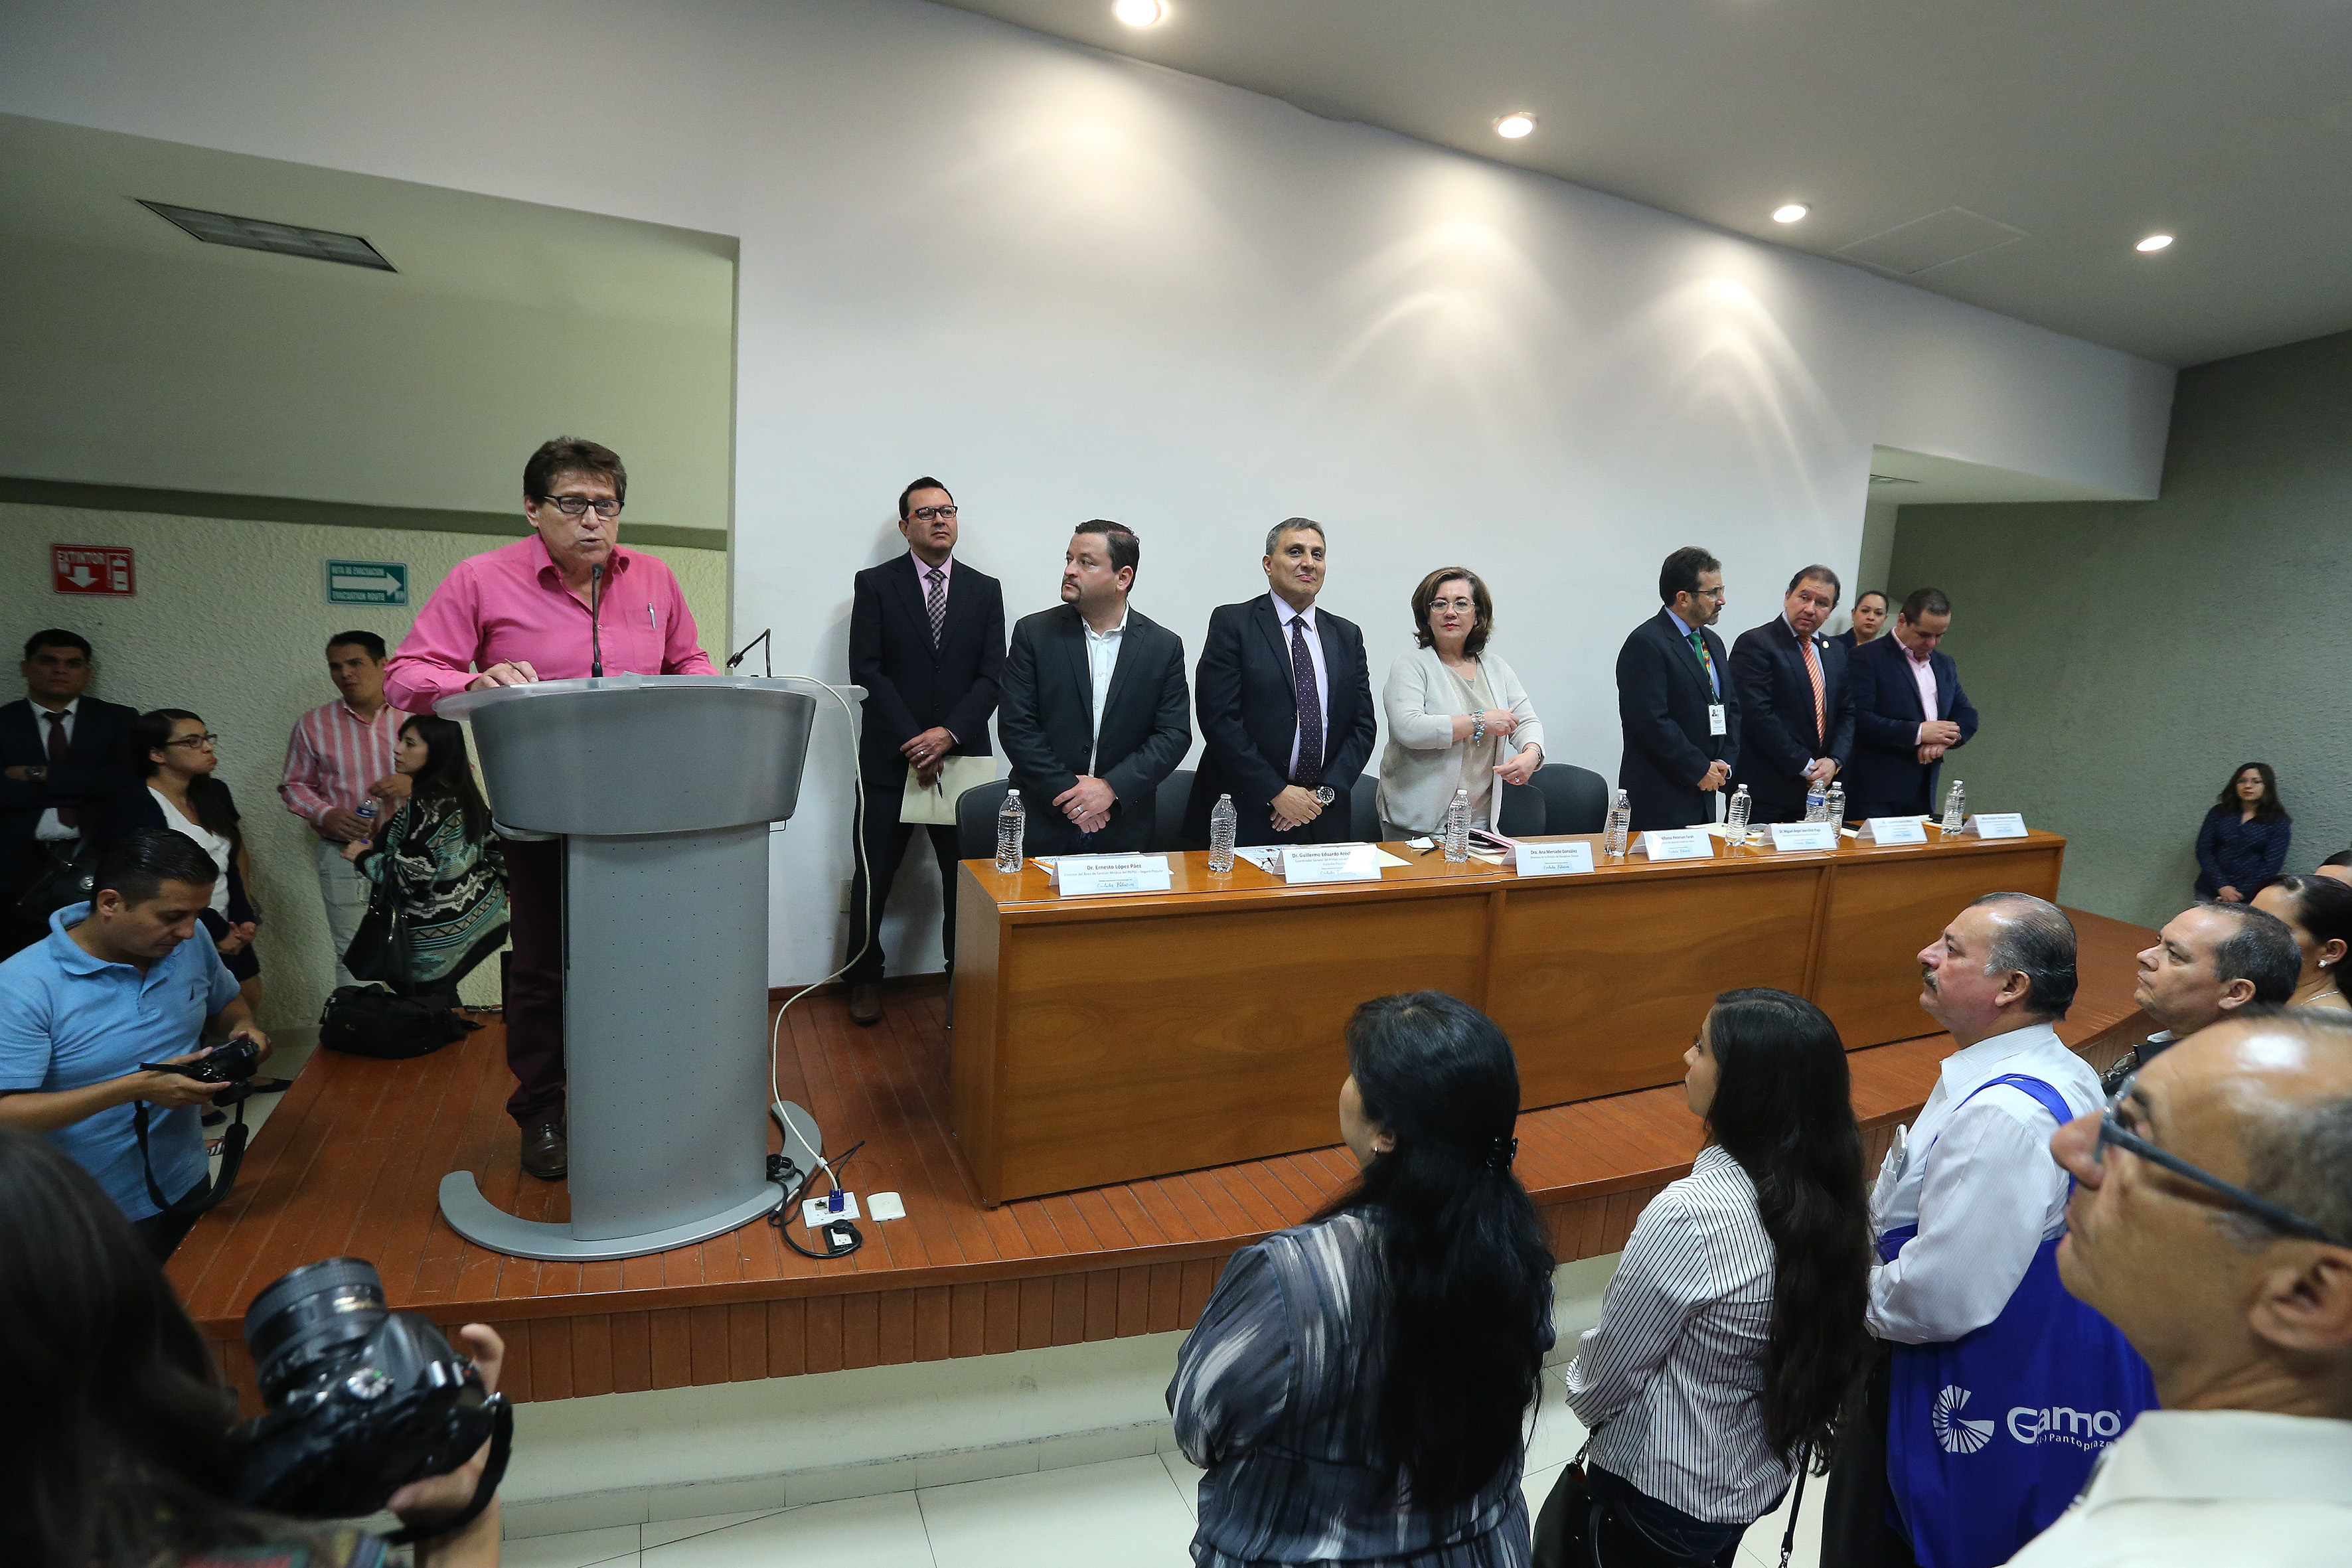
(1908, 711)
(1676, 700)
(1285, 702)
(927, 641)
(1093, 716)
(1796, 708)
(63, 755)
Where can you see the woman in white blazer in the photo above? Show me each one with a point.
(1458, 717)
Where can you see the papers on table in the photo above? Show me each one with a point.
(1895, 830)
(1995, 824)
(1678, 844)
(1087, 875)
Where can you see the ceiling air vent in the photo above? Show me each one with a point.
(1925, 243)
(284, 238)
(1891, 479)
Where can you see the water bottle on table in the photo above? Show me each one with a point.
(1223, 823)
(1955, 809)
(1735, 816)
(1817, 802)
(1457, 827)
(1012, 821)
(1835, 810)
(1620, 827)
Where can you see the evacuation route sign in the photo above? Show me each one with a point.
(90, 569)
(367, 582)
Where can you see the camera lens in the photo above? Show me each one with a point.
(306, 1318)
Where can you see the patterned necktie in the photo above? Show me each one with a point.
(937, 598)
(1820, 698)
(1699, 646)
(60, 753)
(1310, 706)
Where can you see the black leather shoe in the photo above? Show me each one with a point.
(545, 1153)
(865, 1003)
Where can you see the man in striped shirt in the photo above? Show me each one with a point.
(339, 761)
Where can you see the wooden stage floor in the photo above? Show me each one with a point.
(349, 1166)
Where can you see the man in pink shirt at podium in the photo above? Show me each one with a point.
(521, 613)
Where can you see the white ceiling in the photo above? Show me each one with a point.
(2084, 124)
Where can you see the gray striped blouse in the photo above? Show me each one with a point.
(1277, 1397)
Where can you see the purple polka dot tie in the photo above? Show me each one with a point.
(1310, 706)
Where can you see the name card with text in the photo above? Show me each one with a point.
(1995, 824)
(1552, 860)
(1678, 844)
(1895, 830)
(1303, 863)
(1788, 836)
(1085, 875)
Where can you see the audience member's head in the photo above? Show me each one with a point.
(2336, 868)
(1690, 584)
(927, 518)
(2005, 962)
(1813, 595)
(2253, 786)
(1098, 568)
(1768, 1073)
(1869, 615)
(2236, 1304)
(57, 667)
(148, 889)
(2318, 910)
(432, 753)
(2209, 961)
(174, 750)
(1455, 591)
(1920, 624)
(355, 664)
(1428, 1109)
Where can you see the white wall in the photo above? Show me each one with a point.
(1074, 286)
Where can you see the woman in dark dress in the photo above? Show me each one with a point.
(2243, 841)
(438, 856)
(178, 757)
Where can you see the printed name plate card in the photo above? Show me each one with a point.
(1678, 844)
(1085, 875)
(1895, 830)
(1561, 860)
(1305, 863)
(1788, 836)
(1995, 824)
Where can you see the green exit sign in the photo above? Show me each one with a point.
(367, 582)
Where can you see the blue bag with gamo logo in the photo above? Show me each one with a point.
(1990, 1435)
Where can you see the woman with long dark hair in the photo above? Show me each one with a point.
(439, 859)
(1732, 1333)
(2243, 842)
(116, 1444)
(178, 756)
(2318, 910)
(1358, 1386)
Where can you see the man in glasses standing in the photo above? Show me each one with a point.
(2212, 1221)
(519, 614)
(1676, 700)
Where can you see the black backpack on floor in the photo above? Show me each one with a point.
(369, 1021)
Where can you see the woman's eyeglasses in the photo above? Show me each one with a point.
(196, 742)
(2112, 1131)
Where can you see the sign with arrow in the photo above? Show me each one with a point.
(367, 582)
(91, 569)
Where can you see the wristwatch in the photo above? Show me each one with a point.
(1324, 794)
(39, 774)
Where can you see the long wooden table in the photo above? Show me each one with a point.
(1115, 1038)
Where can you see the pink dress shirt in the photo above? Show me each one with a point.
(511, 604)
(333, 757)
(1923, 671)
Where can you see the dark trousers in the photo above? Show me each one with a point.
(1856, 1515)
(534, 988)
(161, 1233)
(886, 839)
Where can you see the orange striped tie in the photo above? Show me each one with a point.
(1820, 698)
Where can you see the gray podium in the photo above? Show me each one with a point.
(661, 788)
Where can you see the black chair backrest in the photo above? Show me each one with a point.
(1576, 799)
(1523, 813)
(976, 811)
(1168, 805)
(1364, 811)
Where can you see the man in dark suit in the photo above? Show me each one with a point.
(1869, 619)
(62, 757)
(1908, 711)
(927, 641)
(1093, 712)
(1285, 699)
(1675, 700)
(1796, 708)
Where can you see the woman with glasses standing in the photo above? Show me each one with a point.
(2243, 842)
(1458, 717)
(178, 756)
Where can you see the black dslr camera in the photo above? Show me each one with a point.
(362, 1400)
(231, 1063)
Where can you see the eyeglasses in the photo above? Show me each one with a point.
(2112, 1131)
(575, 506)
(196, 742)
(926, 513)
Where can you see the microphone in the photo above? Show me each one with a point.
(596, 622)
(767, 654)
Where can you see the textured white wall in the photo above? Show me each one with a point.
(231, 621)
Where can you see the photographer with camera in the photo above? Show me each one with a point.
(120, 1443)
(99, 1025)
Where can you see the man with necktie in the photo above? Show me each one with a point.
(1796, 711)
(1285, 699)
(1908, 711)
(1676, 701)
(62, 758)
(927, 641)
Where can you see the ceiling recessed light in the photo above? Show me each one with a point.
(2154, 242)
(1791, 213)
(1511, 126)
(1138, 13)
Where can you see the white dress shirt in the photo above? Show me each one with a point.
(1671, 1379)
(1284, 615)
(50, 830)
(1986, 1196)
(2211, 1489)
(1102, 659)
(211, 843)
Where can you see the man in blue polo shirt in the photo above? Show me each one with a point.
(118, 982)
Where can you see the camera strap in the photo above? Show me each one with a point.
(204, 1194)
(494, 1470)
